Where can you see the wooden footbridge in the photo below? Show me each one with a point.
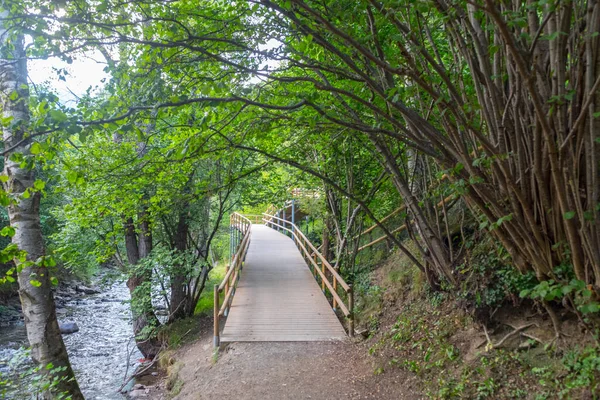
(278, 287)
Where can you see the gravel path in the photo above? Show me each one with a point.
(287, 370)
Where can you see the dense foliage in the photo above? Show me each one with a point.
(454, 125)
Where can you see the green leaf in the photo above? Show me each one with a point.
(35, 283)
(39, 184)
(36, 148)
(54, 281)
(524, 293)
(72, 176)
(3, 178)
(58, 116)
(4, 199)
(569, 215)
(48, 261)
(8, 231)
(589, 308)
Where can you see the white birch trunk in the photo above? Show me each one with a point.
(47, 346)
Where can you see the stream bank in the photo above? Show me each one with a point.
(102, 352)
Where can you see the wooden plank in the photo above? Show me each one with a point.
(277, 298)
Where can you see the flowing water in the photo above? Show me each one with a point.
(102, 353)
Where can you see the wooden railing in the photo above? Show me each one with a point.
(320, 268)
(254, 218)
(397, 230)
(232, 272)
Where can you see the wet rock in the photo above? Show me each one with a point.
(86, 290)
(137, 394)
(68, 328)
(61, 311)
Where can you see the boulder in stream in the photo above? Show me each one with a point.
(68, 327)
(86, 290)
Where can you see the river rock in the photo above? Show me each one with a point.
(61, 311)
(86, 290)
(68, 327)
(137, 394)
(107, 300)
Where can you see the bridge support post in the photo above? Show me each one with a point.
(216, 341)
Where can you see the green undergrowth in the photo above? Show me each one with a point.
(180, 332)
(183, 331)
(413, 329)
(435, 341)
(206, 303)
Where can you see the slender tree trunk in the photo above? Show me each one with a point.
(178, 275)
(139, 288)
(326, 229)
(39, 311)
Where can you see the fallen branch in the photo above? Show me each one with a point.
(140, 372)
(511, 334)
(491, 345)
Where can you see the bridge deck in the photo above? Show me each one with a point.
(277, 298)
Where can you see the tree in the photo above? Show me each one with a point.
(22, 197)
(495, 104)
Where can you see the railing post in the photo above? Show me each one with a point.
(351, 311)
(293, 214)
(335, 290)
(324, 275)
(231, 249)
(227, 285)
(216, 342)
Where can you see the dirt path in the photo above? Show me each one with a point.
(280, 370)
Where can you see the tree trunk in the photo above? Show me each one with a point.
(325, 243)
(178, 275)
(39, 311)
(140, 289)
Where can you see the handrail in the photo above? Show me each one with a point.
(399, 229)
(302, 243)
(232, 274)
(381, 221)
(255, 218)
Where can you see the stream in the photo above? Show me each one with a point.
(102, 353)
